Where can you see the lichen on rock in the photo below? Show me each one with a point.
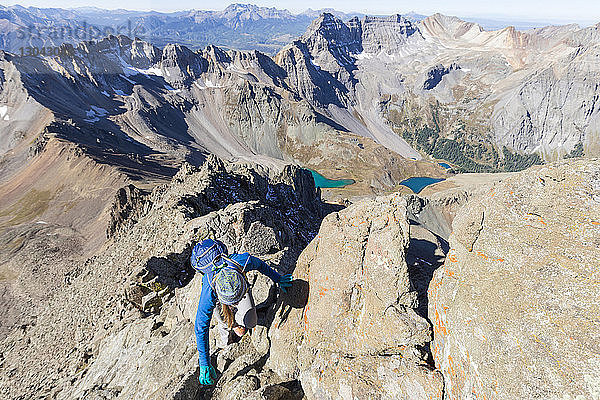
(513, 306)
(357, 336)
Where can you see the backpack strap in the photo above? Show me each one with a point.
(235, 264)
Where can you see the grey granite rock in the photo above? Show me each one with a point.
(123, 327)
(512, 306)
(357, 335)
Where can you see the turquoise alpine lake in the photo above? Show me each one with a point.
(416, 184)
(445, 165)
(322, 182)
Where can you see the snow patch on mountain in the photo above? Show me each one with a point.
(130, 70)
(172, 89)
(127, 79)
(95, 113)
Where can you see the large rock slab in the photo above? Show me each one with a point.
(361, 295)
(515, 307)
(357, 336)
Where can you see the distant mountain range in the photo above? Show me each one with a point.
(239, 26)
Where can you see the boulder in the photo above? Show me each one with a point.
(238, 388)
(358, 335)
(261, 239)
(262, 289)
(515, 306)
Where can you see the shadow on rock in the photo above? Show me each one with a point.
(426, 253)
(296, 297)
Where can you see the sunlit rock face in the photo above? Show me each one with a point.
(512, 306)
(358, 334)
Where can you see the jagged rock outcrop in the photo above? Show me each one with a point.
(127, 208)
(182, 66)
(348, 328)
(120, 324)
(514, 306)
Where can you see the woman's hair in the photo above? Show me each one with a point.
(227, 314)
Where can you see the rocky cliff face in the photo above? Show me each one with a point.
(455, 78)
(329, 51)
(536, 67)
(512, 307)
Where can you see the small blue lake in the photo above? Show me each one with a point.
(417, 184)
(445, 165)
(322, 182)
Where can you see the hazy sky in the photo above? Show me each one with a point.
(559, 11)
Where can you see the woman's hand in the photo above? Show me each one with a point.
(285, 282)
(239, 330)
(208, 375)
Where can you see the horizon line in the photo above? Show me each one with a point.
(498, 18)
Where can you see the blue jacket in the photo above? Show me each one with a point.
(208, 301)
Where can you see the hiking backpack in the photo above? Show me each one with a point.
(206, 255)
(211, 255)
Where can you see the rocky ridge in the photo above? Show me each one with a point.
(370, 314)
(85, 339)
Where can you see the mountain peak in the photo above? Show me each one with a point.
(331, 28)
(252, 11)
(240, 6)
(444, 25)
(327, 16)
(324, 21)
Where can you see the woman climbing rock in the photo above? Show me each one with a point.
(224, 283)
